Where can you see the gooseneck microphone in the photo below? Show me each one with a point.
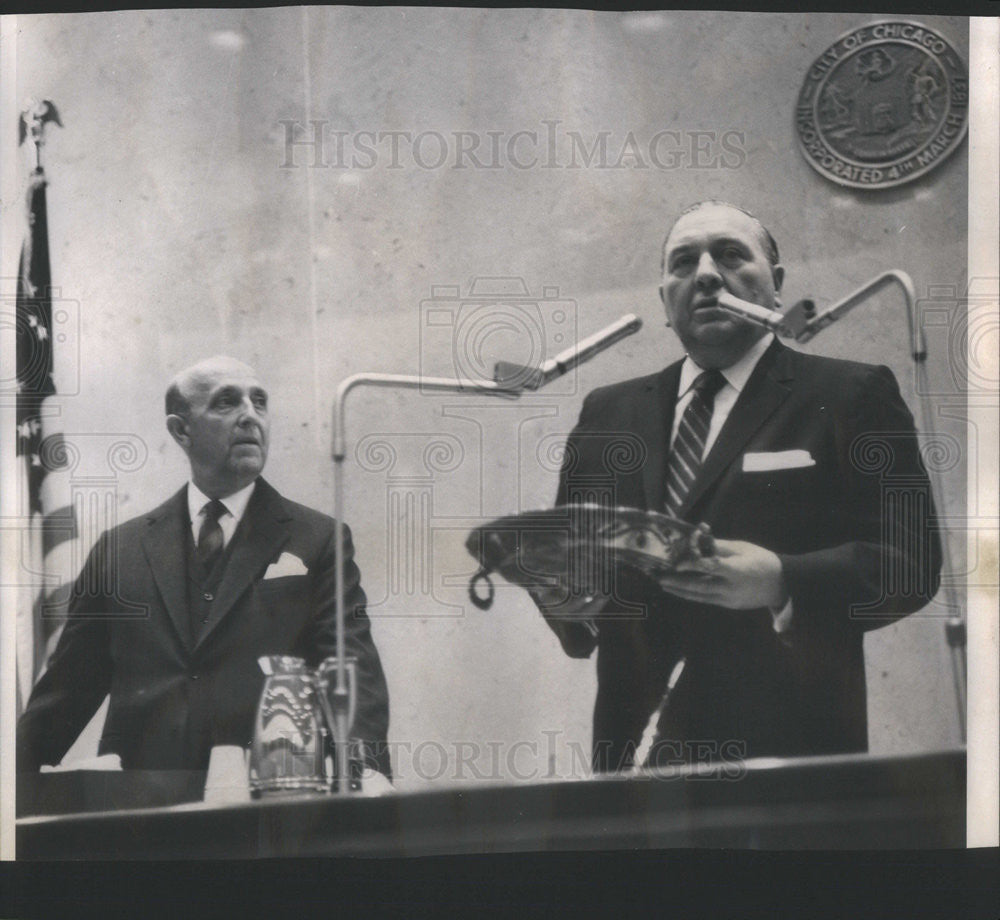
(528, 378)
(802, 322)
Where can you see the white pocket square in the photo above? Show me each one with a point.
(287, 564)
(776, 460)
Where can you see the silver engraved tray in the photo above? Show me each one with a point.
(579, 546)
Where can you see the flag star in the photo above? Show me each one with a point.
(42, 333)
(36, 460)
(24, 430)
(33, 321)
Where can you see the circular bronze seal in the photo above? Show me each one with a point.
(882, 105)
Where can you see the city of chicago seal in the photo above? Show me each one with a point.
(885, 103)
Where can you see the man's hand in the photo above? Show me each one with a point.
(740, 576)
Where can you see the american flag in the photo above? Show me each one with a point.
(48, 517)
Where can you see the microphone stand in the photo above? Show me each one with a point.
(511, 380)
(340, 704)
(801, 322)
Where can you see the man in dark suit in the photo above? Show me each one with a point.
(173, 608)
(808, 472)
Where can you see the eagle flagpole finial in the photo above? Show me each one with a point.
(32, 123)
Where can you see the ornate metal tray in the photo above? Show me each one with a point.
(579, 546)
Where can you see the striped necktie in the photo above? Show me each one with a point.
(689, 445)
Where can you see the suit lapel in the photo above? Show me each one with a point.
(764, 392)
(653, 421)
(261, 533)
(164, 544)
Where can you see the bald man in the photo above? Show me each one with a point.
(808, 471)
(174, 607)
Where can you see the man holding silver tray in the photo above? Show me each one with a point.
(754, 649)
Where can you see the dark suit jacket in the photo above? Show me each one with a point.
(173, 698)
(853, 531)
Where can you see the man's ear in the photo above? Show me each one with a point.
(778, 274)
(663, 300)
(177, 426)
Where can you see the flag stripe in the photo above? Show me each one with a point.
(49, 522)
(57, 528)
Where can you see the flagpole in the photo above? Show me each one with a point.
(34, 384)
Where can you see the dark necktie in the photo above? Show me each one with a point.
(689, 445)
(210, 535)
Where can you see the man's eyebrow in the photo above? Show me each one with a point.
(718, 241)
(225, 392)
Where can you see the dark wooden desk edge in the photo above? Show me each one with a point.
(852, 801)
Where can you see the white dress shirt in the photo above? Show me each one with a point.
(736, 379)
(236, 505)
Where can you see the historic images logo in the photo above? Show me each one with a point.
(882, 105)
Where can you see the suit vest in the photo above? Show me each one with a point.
(203, 586)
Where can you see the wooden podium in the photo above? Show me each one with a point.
(842, 802)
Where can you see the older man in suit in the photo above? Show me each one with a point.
(808, 472)
(173, 608)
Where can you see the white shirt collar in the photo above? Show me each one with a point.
(736, 374)
(236, 504)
